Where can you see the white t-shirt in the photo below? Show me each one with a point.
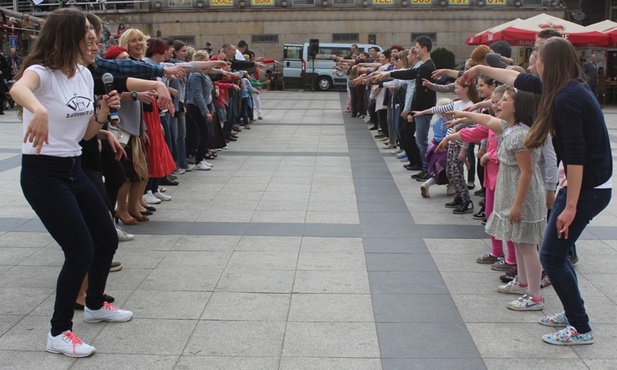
(70, 105)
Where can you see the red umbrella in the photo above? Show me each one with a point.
(523, 32)
(607, 27)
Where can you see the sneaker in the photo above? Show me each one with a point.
(545, 281)
(568, 337)
(501, 266)
(424, 191)
(512, 287)
(558, 319)
(123, 236)
(190, 168)
(526, 303)
(68, 344)
(455, 203)
(573, 259)
(466, 207)
(479, 216)
(397, 152)
(115, 266)
(207, 163)
(379, 136)
(179, 171)
(107, 313)
(201, 166)
(509, 275)
(401, 155)
(422, 176)
(162, 196)
(418, 175)
(487, 259)
(150, 198)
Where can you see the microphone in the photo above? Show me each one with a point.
(108, 80)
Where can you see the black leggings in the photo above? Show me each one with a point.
(77, 217)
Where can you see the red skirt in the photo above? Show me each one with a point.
(160, 161)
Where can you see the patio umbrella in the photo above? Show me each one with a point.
(607, 27)
(477, 38)
(523, 32)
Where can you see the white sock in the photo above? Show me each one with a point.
(430, 182)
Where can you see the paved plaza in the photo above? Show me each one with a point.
(307, 246)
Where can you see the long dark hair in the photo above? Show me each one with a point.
(57, 46)
(561, 68)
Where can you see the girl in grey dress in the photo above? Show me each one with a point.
(520, 206)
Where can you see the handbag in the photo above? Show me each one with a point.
(122, 136)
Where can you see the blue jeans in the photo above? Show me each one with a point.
(423, 124)
(554, 252)
(78, 219)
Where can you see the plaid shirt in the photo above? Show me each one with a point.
(126, 68)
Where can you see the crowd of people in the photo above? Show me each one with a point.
(106, 134)
(536, 131)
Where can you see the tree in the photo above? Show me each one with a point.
(443, 58)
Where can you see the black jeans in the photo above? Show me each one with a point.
(201, 126)
(77, 217)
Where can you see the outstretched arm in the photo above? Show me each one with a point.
(485, 120)
(505, 76)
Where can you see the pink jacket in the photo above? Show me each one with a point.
(476, 134)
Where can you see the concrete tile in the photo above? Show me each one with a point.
(340, 245)
(525, 341)
(127, 361)
(237, 338)
(187, 278)
(262, 281)
(389, 244)
(269, 243)
(409, 282)
(223, 215)
(177, 304)
(308, 363)
(433, 363)
(44, 277)
(408, 308)
(355, 281)
(188, 362)
(145, 336)
(396, 342)
(540, 364)
(247, 307)
(25, 240)
(206, 242)
(400, 262)
(21, 301)
(10, 256)
(210, 260)
(331, 261)
(333, 217)
(331, 206)
(34, 359)
(603, 347)
(7, 321)
(270, 260)
(331, 307)
(313, 339)
(279, 216)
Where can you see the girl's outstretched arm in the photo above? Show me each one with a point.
(485, 120)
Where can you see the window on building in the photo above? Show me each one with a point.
(532, 2)
(180, 3)
(264, 39)
(343, 2)
(345, 37)
(303, 2)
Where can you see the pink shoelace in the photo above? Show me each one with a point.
(71, 337)
(109, 307)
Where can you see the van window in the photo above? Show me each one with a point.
(326, 52)
(292, 52)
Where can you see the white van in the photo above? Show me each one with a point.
(298, 67)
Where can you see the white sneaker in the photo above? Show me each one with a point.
(68, 344)
(190, 168)
(526, 303)
(162, 196)
(123, 236)
(150, 198)
(207, 163)
(107, 313)
(201, 166)
(179, 171)
(512, 287)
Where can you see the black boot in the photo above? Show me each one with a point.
(455, 203)
(465, 207)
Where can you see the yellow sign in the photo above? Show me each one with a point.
(495, 2)
(262, 2)
(221, 2)
(383, 2)
(458, 2)
(421, 2)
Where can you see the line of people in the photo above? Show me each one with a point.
(526, 124)
(102, 165)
